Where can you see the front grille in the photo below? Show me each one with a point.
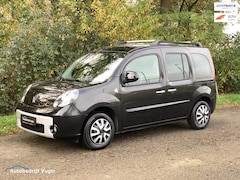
(37, 128)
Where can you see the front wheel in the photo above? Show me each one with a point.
(200, 115)
(98, 131)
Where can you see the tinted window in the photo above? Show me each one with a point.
(201, 65)
(147, 68)
(177, 67)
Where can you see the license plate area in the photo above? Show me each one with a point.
(28, 120)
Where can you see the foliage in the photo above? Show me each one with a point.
(37, 50)
(169, 6)
(227, 64)
(39, 38)
(189, 26)
(128, 21)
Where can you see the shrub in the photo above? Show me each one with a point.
(39, 51)
(227, 64)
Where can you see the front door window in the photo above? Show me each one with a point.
(147, 68)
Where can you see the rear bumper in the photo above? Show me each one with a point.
(51, 126)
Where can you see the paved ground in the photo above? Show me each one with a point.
(168, 152)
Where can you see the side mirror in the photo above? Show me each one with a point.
(129, 76)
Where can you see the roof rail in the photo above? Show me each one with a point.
(136, 41)
(160, 42)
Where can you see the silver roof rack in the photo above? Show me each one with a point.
(136, 41)
(160, 42)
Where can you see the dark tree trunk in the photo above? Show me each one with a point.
(165, 6)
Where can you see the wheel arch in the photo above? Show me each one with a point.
(205, 98)
(107, 110)
(204, 93)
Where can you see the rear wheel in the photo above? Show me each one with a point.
(98, 131)
(200, 115)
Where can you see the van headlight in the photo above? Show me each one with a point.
(66, 98)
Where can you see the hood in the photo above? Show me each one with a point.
(43, 94)
(58, 85)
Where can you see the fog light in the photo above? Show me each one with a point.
(54, 129)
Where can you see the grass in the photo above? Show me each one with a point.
(8, 123)
(225, 100)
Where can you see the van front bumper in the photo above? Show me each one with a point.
(50, 126)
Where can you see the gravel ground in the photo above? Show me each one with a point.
(167, 152)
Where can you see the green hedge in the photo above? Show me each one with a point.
(227, 65)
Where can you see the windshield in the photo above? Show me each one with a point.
(93, 68)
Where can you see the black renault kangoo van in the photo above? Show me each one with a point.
(130, 86)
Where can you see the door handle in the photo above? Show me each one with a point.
(172, 90)
(160, 92)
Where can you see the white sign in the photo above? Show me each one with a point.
(220, 6)
(225, 17)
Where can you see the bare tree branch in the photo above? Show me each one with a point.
(193, 4)
(181, 7)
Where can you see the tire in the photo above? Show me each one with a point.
(98, 131)
(200, 115)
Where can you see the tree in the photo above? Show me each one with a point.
(37, 46)
(168, 6)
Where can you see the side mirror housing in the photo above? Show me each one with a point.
(129, 76)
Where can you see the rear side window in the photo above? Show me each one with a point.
(177, 67)
(202, 66)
